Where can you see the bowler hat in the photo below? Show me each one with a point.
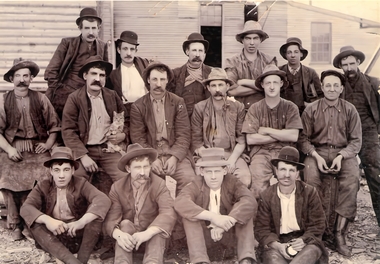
(347, 51)
(19, 63)
(91, 61)
(133, 151)
(292, 41)
(195, 37)
(88, 12)
(153, 65)
(252, 27)
(335, 73)
(62, 153)
(212, 157)
(217, 74)
(271, 69)
(129, 37)
(289, 155)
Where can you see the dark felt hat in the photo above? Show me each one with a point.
(211, 157)
(195, 37)
(251, 27)
(88, 12)
(335, 73)
(217, 74)
(129, 37)
(19, 63)
(61, 153)
(135, 150)
(271, 69)
(347, 51)
(93, 60)
(293, 41)
(153, 65)
(289, 155)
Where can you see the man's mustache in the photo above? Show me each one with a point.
(97, 83)
(218, 94)
(197, 59)
(21, 84)
(90, 36)
(128, 57)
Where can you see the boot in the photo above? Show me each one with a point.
(340, 231)
(90, 238)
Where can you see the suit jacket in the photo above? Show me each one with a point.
(76, 118)
(157, 209)
(82, 197)
(236, 200)
(63, 58)
(143, 124)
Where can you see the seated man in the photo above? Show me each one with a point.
(216, 119)
(290, 219)
(216, 207)
(28, 130)
(65, 213)
(141, 210)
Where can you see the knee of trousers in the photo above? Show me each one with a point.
(127, 226)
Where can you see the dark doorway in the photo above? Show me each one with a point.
(214, 54)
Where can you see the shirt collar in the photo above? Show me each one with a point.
(291, 69)
(100, 95)
(325, 105)
(282, 196)
(153, 99)
(125, 67)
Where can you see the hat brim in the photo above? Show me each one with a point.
(188, 42)
(280, 73)
(72, 162)
(239, 37)
(152, 153)
(153, 65)
(300, 166)
(211, 163)
(285, 46)
(206, 82)
(79, 19)
(89, 65)
(132, 42)
(33, 67)
(358, 54)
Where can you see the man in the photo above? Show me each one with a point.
(331, 138)
(217, 209)
(290, 219)
(71, 54)
(187, 81)
(217, 122)
(127, 80)
(362, 91)
(87, 117)
(159, 120)
(142, 208)
(270, 125)
(28, 130)
(244, 68)
(65, 213)
(304, 85)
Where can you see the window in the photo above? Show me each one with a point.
(211, 15)
(321, 42)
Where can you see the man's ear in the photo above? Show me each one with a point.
(11, 78)
(127, 168)
(201, 169)
(85, 76)
(118, 50)
(187, 51)
(225, 170)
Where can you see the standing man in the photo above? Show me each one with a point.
(71, 54)
(87, 117)
(187, 81)
(244, 68)
(304, 85)
(270, 125)
(28, 130)
(217, 122)
(331, 138)
(159, 120)
(362, 91)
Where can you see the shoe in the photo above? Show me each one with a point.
(340, 240)
(17, 234)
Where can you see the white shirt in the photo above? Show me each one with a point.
(288, 222)
(132, 85)
(214, 204)
(100, 121)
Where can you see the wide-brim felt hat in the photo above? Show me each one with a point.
(88, 12)
(93, 60)
(293, 41)
(289, 155)
(334, 73)
(135, 150)
(129, 37)
(63, 154)
(195, 37)
(347, 51)
(211, 157)
(19, 63)
(272, 69)
(252, 27)
(217, 74)
(152, 66)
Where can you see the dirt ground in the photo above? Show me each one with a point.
(361, 238)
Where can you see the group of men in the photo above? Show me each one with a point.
(183, 123)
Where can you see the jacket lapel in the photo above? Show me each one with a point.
(151, 122)
(169, 114)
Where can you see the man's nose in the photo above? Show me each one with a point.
(129, 52)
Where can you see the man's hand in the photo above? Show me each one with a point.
(141, 237)
(117, 138)
(57, 227)
(217, 234)
(322, 165)
(280, 248)
(74, 226)
(337, 163)
(170, 165)
(89, 164)
(157, 167)
(297, 244)
(41, 148)
(198, 150)
(223, 221)
(14, 154)
(125, 241)
(231, 167)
